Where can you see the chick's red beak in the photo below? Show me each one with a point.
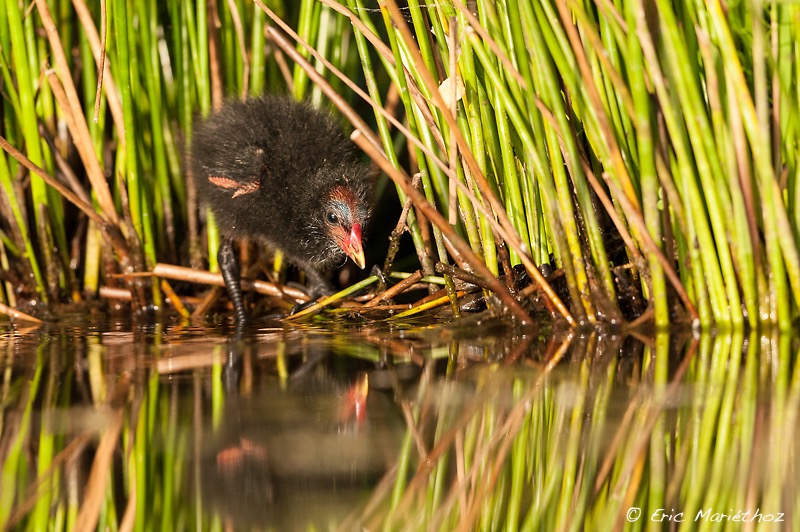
(352, 246)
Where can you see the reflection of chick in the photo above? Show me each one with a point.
(280, 171)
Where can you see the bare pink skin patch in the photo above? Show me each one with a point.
(344, 194)
(241, 188)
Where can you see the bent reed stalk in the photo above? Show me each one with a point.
(647, 152)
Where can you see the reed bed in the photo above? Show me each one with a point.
(646, 152)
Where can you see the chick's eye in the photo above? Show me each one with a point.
(332, 218)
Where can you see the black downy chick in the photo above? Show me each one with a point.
(281, 172)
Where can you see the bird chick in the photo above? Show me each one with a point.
(282, 172)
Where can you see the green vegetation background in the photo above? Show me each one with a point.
(647, 150)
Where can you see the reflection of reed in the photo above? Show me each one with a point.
(688, 428)
(570, 435)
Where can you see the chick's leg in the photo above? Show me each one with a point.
(317, 284)
(229, 266)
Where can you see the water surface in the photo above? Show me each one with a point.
(174, 426)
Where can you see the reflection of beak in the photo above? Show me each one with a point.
(353, 246)
(354, 403)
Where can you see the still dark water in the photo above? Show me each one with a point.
(171, 426)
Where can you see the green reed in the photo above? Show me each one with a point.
(649, 116)
(650, 154)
